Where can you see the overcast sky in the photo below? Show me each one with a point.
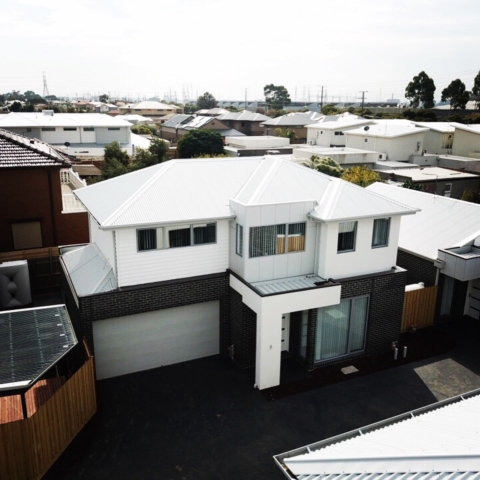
(186, 47)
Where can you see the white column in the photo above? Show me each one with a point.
(269, 347)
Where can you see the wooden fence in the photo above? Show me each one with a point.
(29, 447)
(419, 308)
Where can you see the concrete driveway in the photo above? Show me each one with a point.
(204, 420)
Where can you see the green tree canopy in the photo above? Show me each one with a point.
(324, 165)
(330, 109)
(200, 142)
(361, 175)
(412, 186)
(456, 94)
(421, 90)
(476, 90)
(144, 129)
(276, 96)
(15, 107)
(286, 133)
(103, 98)
(207, 100)
(117, 161)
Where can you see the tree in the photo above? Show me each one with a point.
(103, 98)
(116, 160)
(412, 186)
(206, 101)
(199, 142)
(476, 90)
(469, 195)
(421, 90)
(276, 96)
(144, 129)
(361, 175)
(15, 107)
(286, 133)
(456, 94)
(330, 109)
(324, 165)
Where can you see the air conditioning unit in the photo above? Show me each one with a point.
(14, 284)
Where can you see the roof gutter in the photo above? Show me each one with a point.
(361, 217)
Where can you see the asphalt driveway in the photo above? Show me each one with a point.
(204, 420)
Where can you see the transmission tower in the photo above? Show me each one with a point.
(45, 88)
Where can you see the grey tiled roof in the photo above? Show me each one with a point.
(19, 151)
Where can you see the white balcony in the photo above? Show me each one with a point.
(461, 263)
(70, 181)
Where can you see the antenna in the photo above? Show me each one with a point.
(45, 88)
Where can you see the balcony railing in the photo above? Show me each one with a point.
(68, 176)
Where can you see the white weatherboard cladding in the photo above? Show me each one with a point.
(364, 260)
(104, 241)
(149, 266)
(148, 340)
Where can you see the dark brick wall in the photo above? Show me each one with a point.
(243, 331)
(418, 269)
(149, 298)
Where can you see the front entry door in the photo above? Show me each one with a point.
(285, 331)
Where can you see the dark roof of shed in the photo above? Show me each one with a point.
(19, 151)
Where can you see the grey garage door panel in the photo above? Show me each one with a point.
(148, 340)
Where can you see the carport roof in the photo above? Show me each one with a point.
(31, 341)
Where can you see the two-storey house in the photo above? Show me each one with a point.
(249, 257)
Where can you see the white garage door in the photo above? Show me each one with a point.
(149, 340)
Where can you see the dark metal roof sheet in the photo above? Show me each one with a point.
(31, 341)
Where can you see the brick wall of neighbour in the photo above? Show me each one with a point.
(149, 298)
(418, 269)
(243, 331)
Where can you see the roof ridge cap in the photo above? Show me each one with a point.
(144, 187)
(276, 162)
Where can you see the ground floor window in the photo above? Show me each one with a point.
(341, 328)
(27, 235)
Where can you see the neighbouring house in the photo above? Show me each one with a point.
(346, 157)
(180, 125)
(150, 108)
(440, 245)
(134, 118)
(439, 137)
(247, 257)
(245, 122)
(292, 121)
(439, 181)
(467, 141)
(254, 146)
(79, 134)
(38, 206)
(329, 131)
(437, 441)
(395, 141)
(211, 112)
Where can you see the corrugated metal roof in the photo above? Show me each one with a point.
(289, 284)
(442, 222)
(90, 272)
(428, 444)
(184, 190)
(443, 127)
(244, 116)
(40, 119)
(177, 120)
(429, 174)
(294, 119)
(387, 130)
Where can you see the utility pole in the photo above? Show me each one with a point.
(245, 99)
(363, 92)
(321, 100)
(45, 88)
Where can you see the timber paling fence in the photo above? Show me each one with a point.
(419, 308)
(29, 447)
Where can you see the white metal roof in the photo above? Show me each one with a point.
(435, 443)
(442, 127)
(90, 272)
(468, 128)
(386, 130)
(338, 123)
(429, 174)
(150, 105)
(244, 115)
(296, 119)
(442, 222)
(41, 119)
(200, 189)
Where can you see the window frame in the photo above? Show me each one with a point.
(383, 245)
(239, 240)
(349, 352)
(286, 241)
(354, 237)
(162, 232)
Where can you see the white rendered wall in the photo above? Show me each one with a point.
(466, 143)
(319, 136)
(258, 141)
(273, 266)
(88, 137)
(364, 260)
(433, 142)
(105, 136)
(104, 240)
(136, 268)
(269, 312)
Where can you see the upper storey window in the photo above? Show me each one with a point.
(277, 239)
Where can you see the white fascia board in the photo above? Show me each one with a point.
(416, 254)
(169, 222)
(361, 217)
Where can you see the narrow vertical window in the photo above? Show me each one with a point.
(239, 241)
(346, 236)
(296, 237)
(381, 228)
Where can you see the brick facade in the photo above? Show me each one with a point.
(418, 269)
